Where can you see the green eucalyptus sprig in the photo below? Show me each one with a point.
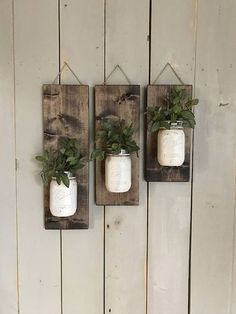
(113, 136)
(66, 158)
(176, 107)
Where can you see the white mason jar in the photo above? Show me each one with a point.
(171, 145)
(118, 172)
(63, 200)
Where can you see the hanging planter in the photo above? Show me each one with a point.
(118, 172)
(171, 145)
(169, 121)
(115, 138)
(59, 167)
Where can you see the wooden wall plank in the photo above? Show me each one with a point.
(82, 268)
(8, 239)
(125, 236)
(36, 62)
(214, 160)
(65, 114)
(153, 170)
(112, 100)
(172, 40)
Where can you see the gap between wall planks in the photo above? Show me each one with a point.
(121, 101)
(65, 114)
(154, 172)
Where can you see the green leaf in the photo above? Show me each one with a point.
(192, 102)
(187, 114)
(65, 180)
(155, 127)
(97, 154)
(40, 158)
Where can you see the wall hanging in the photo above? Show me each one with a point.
(117, 139)
(168, 132)
(65, 125)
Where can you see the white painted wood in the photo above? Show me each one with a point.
(233, 278)
(173, 40)
(125, 237)
(214, 164)
(36, 62)
(8, 240)
(82, 48)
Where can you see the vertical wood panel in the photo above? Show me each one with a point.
(172, 40)
(36, 57)
(8, 243)
(125, 236)
(82, 47)
(214, 165)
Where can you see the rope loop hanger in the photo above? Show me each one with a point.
(117, 67)
(62, 69)
(173, 70)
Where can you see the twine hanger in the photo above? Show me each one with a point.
(62, 69)
(117, 67)
(173, 70)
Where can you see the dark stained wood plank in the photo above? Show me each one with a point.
(65, 113)
(122, 101)
(154, 172)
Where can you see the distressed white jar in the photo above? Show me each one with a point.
(63, 200)
(171, 146)
(118, 172)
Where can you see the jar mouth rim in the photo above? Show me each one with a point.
(173, 125)
(69, 175)
(122, 153)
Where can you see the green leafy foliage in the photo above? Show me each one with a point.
(66, 158)
(176, 107)
(114, 135)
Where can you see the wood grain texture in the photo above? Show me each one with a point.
(8, 223)
(83, 263)
(154, 172)
(35, 26)
(122, 101)
(213, 244)
(65, 114)
(170, 203)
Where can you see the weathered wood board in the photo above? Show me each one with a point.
(153, 170)
(65, 113)
(122, 101)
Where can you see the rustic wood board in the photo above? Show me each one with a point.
(122, 101)
(65, 113)
(153, 170)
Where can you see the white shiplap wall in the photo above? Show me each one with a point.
(140, 264)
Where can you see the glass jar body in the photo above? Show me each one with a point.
(63, 200)
(171, 146)
(118, 172)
